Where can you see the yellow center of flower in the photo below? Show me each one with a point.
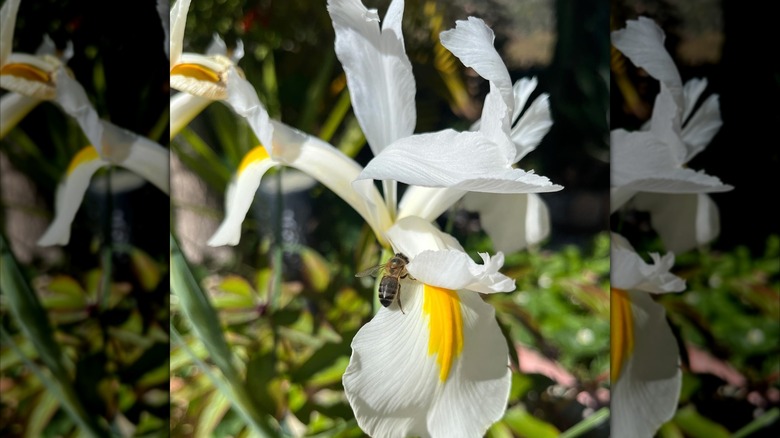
(86, 154)
(25, 71)
(255, 155)
(621, 332)
(446, 326)
(195, 71)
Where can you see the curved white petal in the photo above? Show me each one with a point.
(642, 163)
(379, 74)
(628, 271)
(513, 221)
(333, 169)
(440, 369)
(692, 90)
(647, 389)
(666, 125)
(240, 194)
(683, 221)
(7, 24)
(184, 108)
(522, 90)
(529, 131)
(13, 108)
(702, 127)
(242, 98)
(114, 144)
(619, 196)
(413, 235)
(428, 202)
(642, 41)
(70, 193)
(472, 42)
(461, 160)
(178, 22)
(454, 269)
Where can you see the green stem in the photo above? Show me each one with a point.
(761, 422)
(278, 250)
(586, 425)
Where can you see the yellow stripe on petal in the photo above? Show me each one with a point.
(445, 324)
(254, 156)
(88, 153)
(195, 71)
(25, 71)
(621, 332)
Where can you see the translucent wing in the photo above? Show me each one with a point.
(370, 271)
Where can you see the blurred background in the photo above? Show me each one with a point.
(90, 347)
(728, 319)
(285, 303)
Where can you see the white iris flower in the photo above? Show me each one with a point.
(440, 367)
(645, 362)
(35, 78)
(650, 165)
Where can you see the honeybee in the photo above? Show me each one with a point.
(390, 284)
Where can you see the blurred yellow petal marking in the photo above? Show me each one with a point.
(25, 71)
(89, 153)
(621, 332)
(254, 156)
(446, 326)
(195, 71)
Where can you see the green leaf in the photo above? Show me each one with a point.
(524, 424)
(695, 425)
(211, 414)
(47, 404)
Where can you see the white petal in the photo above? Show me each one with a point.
(642, 41)
(666, 125)
(184, 108)
(472, 42)
(413, 235)
(522, 90)
(642, 163)
(333, 169)
(495, 124)
(13, 108)
(513, 221)
(619, 196)
(428, 202)
(703, 126)
(70, 193)
(240, 193)
(178, 22)
(647, 390)
(242, 98)
(379, 74)
(684, 221)
(15, 75)
(630, 272)
(7, 25)
(394, 379)
(692, 90)
(454, 269)
(461, 160)
(144, 157)
(74, 101)
(529, 131)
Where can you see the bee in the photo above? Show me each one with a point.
(390, 284)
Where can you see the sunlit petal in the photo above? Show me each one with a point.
(184, 108)
(70, 193)
(7, 23)
(242, 98)
(647, 389)
(240, 194)
(513, 221)
(114, 144)
(702, 127)
(683, 221)
(438, 369)
(529, 131)
(428, 202)
(178, 22)
(642, 163)
(642, 41)
(461, 160)
(454, 269)
(13, 108)
(379, 74)
(413, 235)
(628, 271)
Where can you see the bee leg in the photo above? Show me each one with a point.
(399, 303)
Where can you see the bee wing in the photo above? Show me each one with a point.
(370, 271)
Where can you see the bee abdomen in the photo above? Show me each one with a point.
(388, 288)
